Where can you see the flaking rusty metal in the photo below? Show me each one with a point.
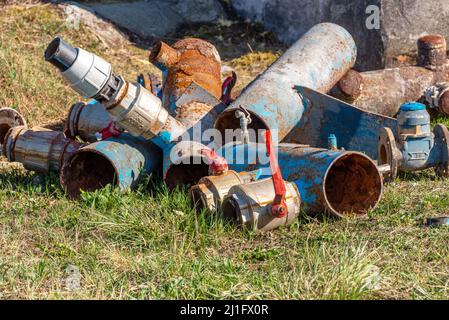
(9, 118)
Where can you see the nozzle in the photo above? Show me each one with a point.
(60, 54)
(86, 73)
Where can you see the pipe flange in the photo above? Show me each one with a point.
(9, 118)
(387, 153)
(442, 137)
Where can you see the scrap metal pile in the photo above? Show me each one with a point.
(282, 147)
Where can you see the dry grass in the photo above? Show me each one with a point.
(151, 244)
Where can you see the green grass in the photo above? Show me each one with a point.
(150, 244)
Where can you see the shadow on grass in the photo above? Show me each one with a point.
(31, 182)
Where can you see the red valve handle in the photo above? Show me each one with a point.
(279, 207)
(217, 164)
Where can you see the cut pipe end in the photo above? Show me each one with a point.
(352, 185)
(186, 174)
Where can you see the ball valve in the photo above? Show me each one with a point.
(415, 147)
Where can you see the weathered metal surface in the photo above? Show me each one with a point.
(415, 147)
(197, 105)
(189, 60)
(383, 91)
(38, 149)
(250, 205)
(85, 120)
(317, 60)
(355, 129)
(211, 190)
(436, 98)
(118, 161)
(337, 182)
(9, 118)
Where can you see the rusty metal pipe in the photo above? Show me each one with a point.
(85, 120)
(117, 161)
(384, 91)
(249, 205)
(317, 61)
(38, 149)
(337, 182)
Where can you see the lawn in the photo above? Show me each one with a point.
(150, 244)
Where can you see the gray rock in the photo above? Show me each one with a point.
(401, 23)
(156, 19)
(105, 31)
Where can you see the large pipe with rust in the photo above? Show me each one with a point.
(337, 182)
(38, 149)
(384, 91)
(317, 61)
(188, 60)
(119, 161)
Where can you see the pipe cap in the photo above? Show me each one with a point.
(412, 106)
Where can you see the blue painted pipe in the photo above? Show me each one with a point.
(317, 60)
(119, 161)
(338, 182)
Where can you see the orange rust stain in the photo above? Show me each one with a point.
(188, 60)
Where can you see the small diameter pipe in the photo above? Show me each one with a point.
(38, 149)
(119, 161)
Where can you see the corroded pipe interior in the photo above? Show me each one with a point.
(88, 171)
(186, 174)
(352, 185)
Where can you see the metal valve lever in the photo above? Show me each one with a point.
(279, 207)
